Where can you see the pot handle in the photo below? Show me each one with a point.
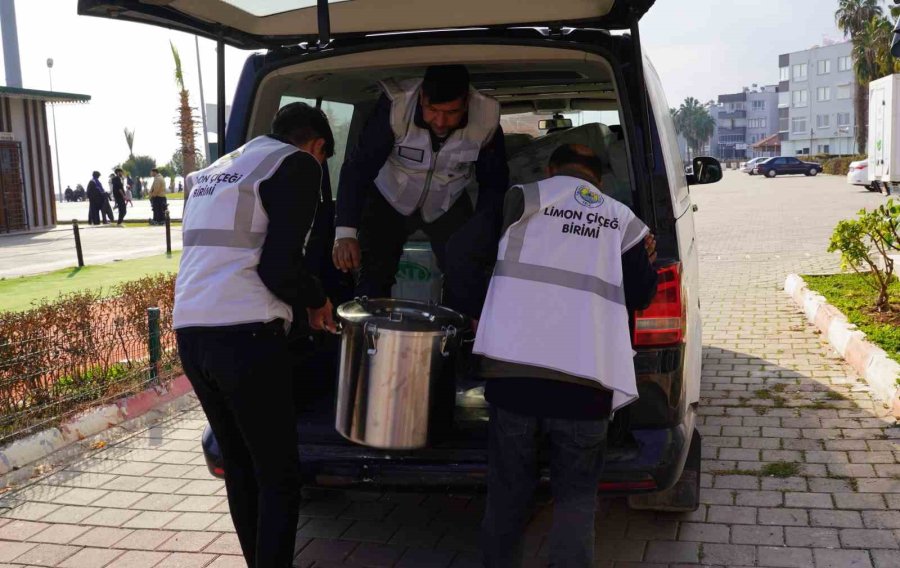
(370, 330)
(449, 332)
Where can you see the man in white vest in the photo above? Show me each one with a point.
(556, 350)
(426, 141)
(241, 276)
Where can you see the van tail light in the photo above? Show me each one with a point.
(860, 167)
(662, 323)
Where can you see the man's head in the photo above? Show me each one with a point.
(119, 171)
(154, 172)
(576, 158)
(444, 98)
(305, 127)
(95, 174)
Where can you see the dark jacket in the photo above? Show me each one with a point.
(376, 142)
(95, 191)
(118, 189)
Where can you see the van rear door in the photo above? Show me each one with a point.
(254, 24)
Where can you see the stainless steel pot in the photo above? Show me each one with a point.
(395, 383)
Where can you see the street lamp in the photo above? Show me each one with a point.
(55, 145)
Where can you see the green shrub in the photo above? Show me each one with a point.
(839, 166)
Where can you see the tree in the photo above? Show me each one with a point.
(694, 122)
(186, 120)
(853, 17)
(129, 139)
(176, 164)
(139, 166)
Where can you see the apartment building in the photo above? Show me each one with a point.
(815, 101)
(743, 119)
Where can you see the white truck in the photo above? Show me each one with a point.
(884, 133)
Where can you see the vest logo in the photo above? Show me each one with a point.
(588, 196)
(413, 271)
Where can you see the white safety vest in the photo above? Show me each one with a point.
(223, 228)
(415, 177)
(556, 299)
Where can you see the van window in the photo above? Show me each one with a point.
(528, 148)
(339, 117)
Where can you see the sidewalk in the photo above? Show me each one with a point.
(35, 253)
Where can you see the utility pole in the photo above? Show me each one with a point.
(55, 145)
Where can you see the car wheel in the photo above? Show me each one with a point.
(813, 171)
(771, 173)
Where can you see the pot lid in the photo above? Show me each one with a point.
(400, 315)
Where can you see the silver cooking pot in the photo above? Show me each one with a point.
(396, 379)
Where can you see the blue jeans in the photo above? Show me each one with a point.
(577, 448)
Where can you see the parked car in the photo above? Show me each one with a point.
(787, 165)
(749, 166)
(573, 62)
(858, 174)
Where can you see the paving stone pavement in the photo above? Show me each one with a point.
(772, 392)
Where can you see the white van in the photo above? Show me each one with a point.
(538, 59)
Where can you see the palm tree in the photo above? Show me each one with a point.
(129, 139)
(186, 120)
(853, 17)
(694, 122)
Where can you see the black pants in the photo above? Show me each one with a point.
(94, 207)
(121, 206)
(106, 210)
(384, 231)
(158, 204)
(243, 381)
(577, 451)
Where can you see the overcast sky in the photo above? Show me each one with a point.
(701, 48)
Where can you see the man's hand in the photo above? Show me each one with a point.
(322, 318)
(346, 254)
(650, 245)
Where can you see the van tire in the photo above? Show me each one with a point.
(684, 496)
(771, 173)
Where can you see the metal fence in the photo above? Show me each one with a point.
(60, 359)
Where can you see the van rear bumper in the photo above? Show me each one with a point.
(653, 463)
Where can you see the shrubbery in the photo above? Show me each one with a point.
(840, 165)
(80, 349)
(864, 244)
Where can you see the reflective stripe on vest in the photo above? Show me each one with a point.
(414, 176)
(556, 298)
(224, 229)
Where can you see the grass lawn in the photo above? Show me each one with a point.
(19, 293)
(176, 195)
(851, 295)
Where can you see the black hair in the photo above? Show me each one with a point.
(445, 83)
(95, 174)
(117, 170)
(300, 123)
(566, 154)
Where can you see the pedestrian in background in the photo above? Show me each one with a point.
(117, 184)
(158, 198)
(95, 198)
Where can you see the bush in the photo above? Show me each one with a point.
(839, 166)
(865, 242)
(80, 349)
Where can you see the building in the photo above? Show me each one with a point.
(743, 119)
(27, 183)
(815, 101)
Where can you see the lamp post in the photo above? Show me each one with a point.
(55, 145)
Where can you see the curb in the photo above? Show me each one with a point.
(40, 445)
(867, 359)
